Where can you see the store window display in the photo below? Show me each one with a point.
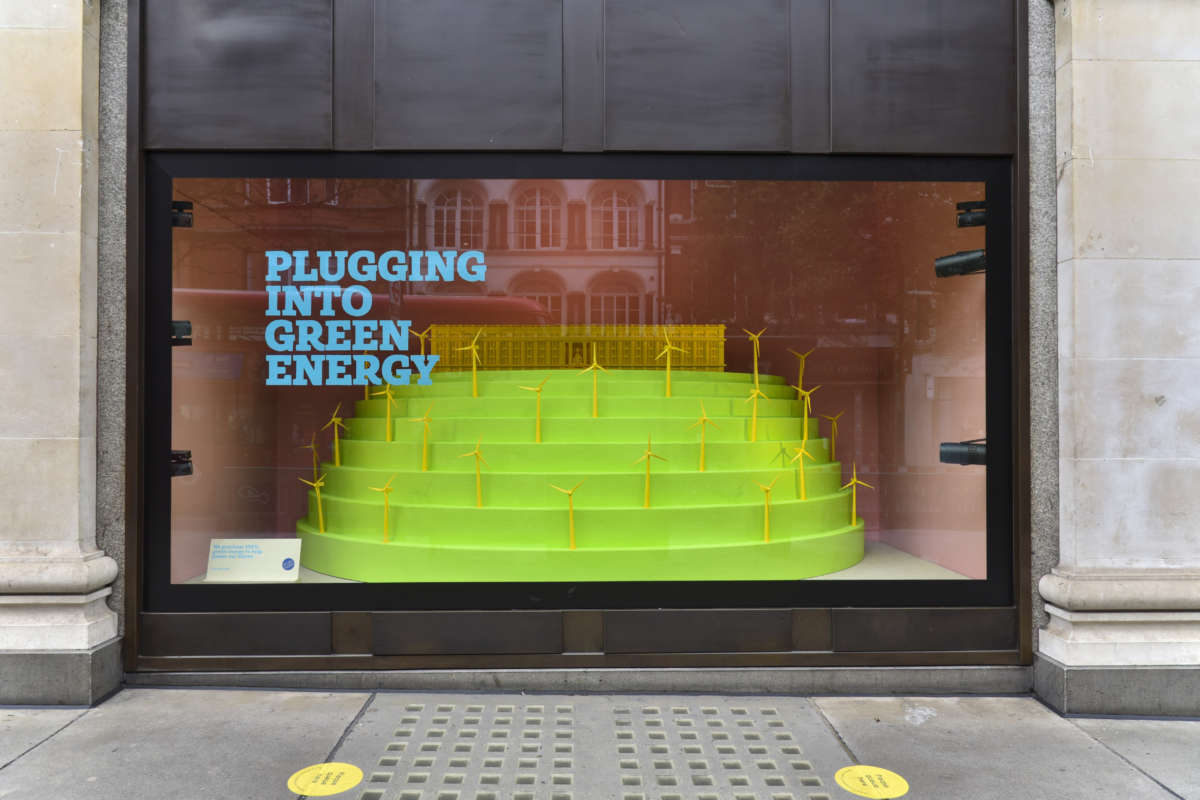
(740, 380)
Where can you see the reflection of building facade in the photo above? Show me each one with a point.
(239, 219)
(589, 251)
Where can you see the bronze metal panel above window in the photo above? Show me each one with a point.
(236, 634)
(923, 76)
(353, 74)
(697, 75)
(719, 630)
(886, 629)
(254, 74)
(479, 75)
(461, 632)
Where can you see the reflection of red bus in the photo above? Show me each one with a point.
(425, 310)
(239, 307)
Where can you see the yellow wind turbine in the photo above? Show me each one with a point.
(366, 386)
(646, 456)
(421, 337)
(807, 409)
(570, 493)
(703, 421)
(316, 485)
(833, 429)
(666, 351)
(853, 487)
(388, 404)
(537, 431)
(754, 340)
(755, 393)
(336, 422)
(386, 489)
(475, 360)
(801, 454)
(595, 369)
(312, 445)
(478, 480)
(425, 419)
(803, 362)
(767, 508)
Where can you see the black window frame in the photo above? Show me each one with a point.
(1002, 392)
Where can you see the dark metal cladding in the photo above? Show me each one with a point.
(421, 632)
(923, 76)
(245, 74)
(353, 74)
(696, 75)
(480, 75)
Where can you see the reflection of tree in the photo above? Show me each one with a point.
(783, 251)
(803, 255)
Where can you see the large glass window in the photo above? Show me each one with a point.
(614, 220)
(539, 219)
(797, 388)
(457, 220)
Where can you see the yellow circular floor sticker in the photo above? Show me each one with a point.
(875, 782)
(321, 780)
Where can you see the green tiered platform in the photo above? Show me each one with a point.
(700, 526)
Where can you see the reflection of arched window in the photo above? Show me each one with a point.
(614, 221)
(543, 288)
(457, 220)
(614, 299)
(539, 219)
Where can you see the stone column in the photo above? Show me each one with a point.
(1124, 600)
(58, 637)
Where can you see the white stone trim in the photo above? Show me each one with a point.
(1122, 590)
(78, 574)
(56, 621)
(1130, 638)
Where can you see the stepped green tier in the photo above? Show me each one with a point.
(700, 525)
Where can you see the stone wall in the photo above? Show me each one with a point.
(1126, 591)
(111, 258)
(53, 579)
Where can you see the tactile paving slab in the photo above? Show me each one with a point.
(580, 747)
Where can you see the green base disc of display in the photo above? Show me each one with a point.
(512, 524)
(781, 560)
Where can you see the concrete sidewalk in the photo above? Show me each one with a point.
(149, 744)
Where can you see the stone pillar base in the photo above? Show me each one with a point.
(1136, 691)
(60, 677)
(56, 621)
(1120, 642)
(1121, 638)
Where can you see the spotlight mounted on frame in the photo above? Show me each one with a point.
(964, 262)
(972, 213)
(970, 452)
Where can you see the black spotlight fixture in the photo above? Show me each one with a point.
(972, 214)
(964, 262)
(972, 451)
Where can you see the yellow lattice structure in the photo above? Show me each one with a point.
(566, 346)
